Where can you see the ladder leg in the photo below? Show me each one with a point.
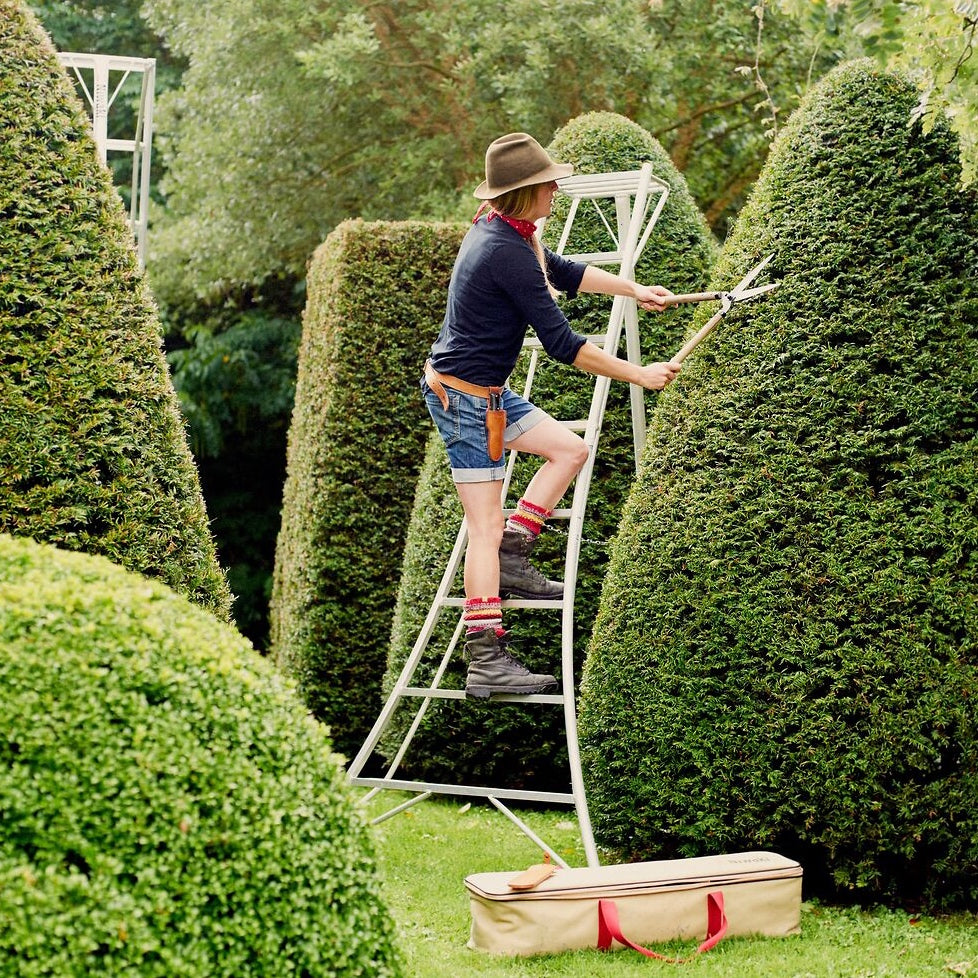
(528, 832)
(423, 708)
(636, 393)
(410, 803)
(575, 532)
(434, 612)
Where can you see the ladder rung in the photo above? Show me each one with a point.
(597, 257)
(559, 514)
(428, 692)
(510, 603)
(461, 789)
(533, 342)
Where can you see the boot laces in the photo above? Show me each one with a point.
(504, 640)
(526, 545)
(532, 573)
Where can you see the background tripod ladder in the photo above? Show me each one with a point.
(637, 198)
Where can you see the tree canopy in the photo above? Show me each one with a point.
(931, 41)
(295, 116)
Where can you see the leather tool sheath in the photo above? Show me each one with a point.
(495, 415)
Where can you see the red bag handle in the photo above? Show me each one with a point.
(609, 929)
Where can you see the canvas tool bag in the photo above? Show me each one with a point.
(705, 898)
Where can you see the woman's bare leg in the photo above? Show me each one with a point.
(483, 506)
(491, 669)
(565, 454)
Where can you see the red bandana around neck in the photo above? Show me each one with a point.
(525, 229)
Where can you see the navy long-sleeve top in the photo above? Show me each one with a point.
(496, 292)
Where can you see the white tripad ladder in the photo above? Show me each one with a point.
(104, 67)
(638, 199)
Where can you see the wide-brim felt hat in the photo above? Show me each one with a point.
(517, 160)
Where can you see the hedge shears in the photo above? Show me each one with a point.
(739, 293)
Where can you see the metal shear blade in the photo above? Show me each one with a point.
(740, 292)
(750, 293)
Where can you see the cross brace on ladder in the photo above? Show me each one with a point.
(638, 198)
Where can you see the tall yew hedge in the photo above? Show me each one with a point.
(375, 293)
(491, 743)
(93, 452)
(786, 650)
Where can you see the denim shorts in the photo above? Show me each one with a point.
(463, 430)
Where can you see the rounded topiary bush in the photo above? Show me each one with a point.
(93, 451)
(168, 807)
(786, 647)
(375, 293)
(506, 745)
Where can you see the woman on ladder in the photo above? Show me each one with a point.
(504, 280)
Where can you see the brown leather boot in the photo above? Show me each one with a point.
(517, 577)
(493, 670)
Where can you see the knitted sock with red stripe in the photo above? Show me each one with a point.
(528, 518)
(481, 613)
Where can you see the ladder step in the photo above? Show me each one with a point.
(533, 343)
(560, 798)
(557, 514)
(429, 692)
(585, 185)
(510, 603)
(597, 257)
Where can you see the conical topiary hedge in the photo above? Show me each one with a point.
(375, 291)
(93, 452)
(786, 648)
(471, 742)
(168, 806)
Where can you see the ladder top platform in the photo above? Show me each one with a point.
(587, 185)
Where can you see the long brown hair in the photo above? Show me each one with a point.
(517, 204)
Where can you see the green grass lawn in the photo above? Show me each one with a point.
(426, 852)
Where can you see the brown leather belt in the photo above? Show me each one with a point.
(495, 415)
(439, 381)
